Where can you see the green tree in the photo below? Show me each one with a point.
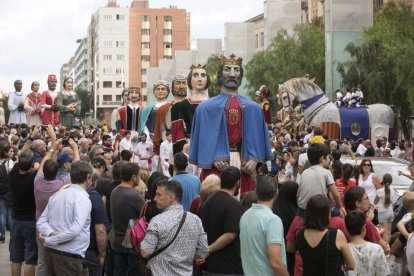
(287, 57)
(212, 67)
(86, 100)
(382, 63)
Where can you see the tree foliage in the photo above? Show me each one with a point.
(212, 67)
(289, 56)
(383, 62)
(86, 100)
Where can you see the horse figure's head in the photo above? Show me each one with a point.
(299, 89)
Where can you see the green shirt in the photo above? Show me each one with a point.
(259, 227)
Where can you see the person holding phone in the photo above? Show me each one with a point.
(68, 103)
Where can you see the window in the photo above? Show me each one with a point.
(118, 97)
(261, 39)
(145, 45)
(107, 98)
(143, 85)
(167, 32)
(107, 43)
(107, 17)
(120, 30)
(257, 41)
(145, 18)
(107, 30)
(145, 31)
(167, 18)
(120, 17)
(143, 71)
(107, 84)
(107, 57)
(167, 57)
(107, 71)
(167, 45)
(145, 58)
(119, 85)
(120, 43)
(119, 71)
(120, 57)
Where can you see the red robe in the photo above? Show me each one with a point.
(48, 115)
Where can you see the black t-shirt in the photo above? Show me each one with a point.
(107, 193)
(126, 204)
(221, 214)
(22, 194)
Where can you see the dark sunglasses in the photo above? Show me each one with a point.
(366, 165)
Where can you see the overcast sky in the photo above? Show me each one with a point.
(38, 36)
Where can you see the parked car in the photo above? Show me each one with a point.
(383, 165)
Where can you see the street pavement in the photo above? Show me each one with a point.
(4, 257)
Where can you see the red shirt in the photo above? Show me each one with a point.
(342, 187)
(234, 121)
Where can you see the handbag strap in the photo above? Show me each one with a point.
(159, 251)
(327, 253)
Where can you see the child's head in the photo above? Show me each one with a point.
(386, 182)
(408, 201)
(387, 179)
(369, 214)
(318, 155)
(355, 223)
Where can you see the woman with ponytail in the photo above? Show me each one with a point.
(384, 200)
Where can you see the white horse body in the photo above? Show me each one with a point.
(321, 110)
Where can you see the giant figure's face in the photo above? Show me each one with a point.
(160, 92)
(230, 77)
(199, 79)
(68, 84)
(18, 85)
(180, 88)
(51, 84)
(35, 86)
(134, 95)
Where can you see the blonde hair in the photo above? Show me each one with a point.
(144, 175)
(15, 139)
(141, 188)
(209, 186)
(408, 201)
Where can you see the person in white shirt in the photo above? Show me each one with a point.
(361, 147)
(347, 98)
(339, 98)
(125, 143)
(144, 150)
(359, 95)
(165, 153)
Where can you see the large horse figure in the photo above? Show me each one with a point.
(372, 121)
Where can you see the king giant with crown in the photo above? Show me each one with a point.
(229, 129)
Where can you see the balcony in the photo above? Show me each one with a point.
(168, 25)
(145, 25)
(145, 38)
(167, 52)
(111, 103)
(168, 38)
(145, 51)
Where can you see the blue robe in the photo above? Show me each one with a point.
(209, 139)
(144, 117)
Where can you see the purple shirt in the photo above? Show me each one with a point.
(43, 190)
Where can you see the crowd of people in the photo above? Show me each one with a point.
(242, 197)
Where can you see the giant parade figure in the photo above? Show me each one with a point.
(163, 119)
(32, 105)
(229, 129)
(50, 115)
(149, 113)
(16, 104)
(116, 122)
(68, 103)
(182, 113)
(129, 114)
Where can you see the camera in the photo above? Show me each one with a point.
(65, 142)
(43, 127)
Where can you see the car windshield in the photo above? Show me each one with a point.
(381, 168)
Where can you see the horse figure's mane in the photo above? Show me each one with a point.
(303, 85)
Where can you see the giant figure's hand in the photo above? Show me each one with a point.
(250, 167)
(221, 165)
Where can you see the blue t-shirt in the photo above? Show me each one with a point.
(259, 227)
(98, 215)
(191, 188)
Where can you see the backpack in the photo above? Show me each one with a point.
(4, 179)
(138, 230)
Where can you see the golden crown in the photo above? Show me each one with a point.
(198, 66)
(133, 88)
(231, 60)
